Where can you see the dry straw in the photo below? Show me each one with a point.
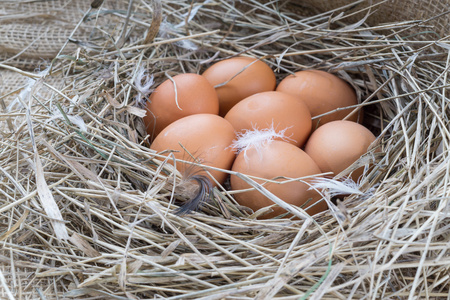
(87, 210)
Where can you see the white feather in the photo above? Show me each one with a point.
(25, 93)
(187, 44)
(335, 187)
(191, 13)
(168, 30)
(257, 138)
(76, 120)
(143, 84)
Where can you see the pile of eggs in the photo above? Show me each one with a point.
(235, 117)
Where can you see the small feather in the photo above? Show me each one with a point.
(143, 83)
(191, 13)
(205, 192)
(76, 120)
(335, 187)
(187, 44)
(257, 138)
(25, 93)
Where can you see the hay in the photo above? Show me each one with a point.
(74, 162)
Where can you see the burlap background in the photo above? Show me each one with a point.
(37, 30)
(32, 33)
(390, 11)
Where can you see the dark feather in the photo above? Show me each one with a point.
(205, 192)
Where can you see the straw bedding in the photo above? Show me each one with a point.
(87, 210)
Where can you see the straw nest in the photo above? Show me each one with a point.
(87, 210)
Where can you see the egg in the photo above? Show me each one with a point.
(206, 137)
(338, 144)
(242, 77)
(322, 92)
(275, 159)
(181, 96)
(277, 110)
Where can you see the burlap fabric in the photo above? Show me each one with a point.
(434, 14)
(33, 32)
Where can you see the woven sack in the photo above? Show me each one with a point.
(33, 32)
(433, 15)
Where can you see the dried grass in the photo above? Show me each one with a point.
(113, 197)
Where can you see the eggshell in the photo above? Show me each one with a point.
(248, 76)
(322, 92)
(275, 159)
(194, 95)
(338, 144)
(207, 137)
(267, 109)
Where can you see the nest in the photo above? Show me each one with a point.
(87, 211)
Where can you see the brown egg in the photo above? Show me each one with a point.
(206, 137)
(322, 92)
(273, 159)
(338, 144)
(193, 95)
(248, 76)
(272, 109)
